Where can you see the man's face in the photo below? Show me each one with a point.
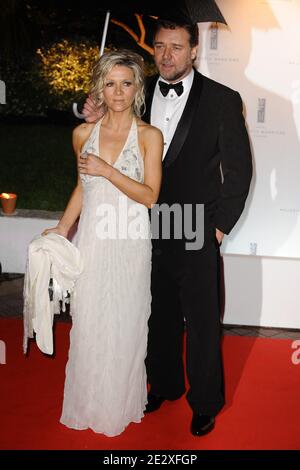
(173, 54)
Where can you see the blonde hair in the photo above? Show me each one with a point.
(105, 64)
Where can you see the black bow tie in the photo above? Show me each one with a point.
(166, 87)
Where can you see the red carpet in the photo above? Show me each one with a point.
(262, 411)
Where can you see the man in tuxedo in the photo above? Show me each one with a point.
(207, 160)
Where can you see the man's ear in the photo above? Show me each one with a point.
(194, 52)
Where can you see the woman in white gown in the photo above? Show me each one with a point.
(119, 163)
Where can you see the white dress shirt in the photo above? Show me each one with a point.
(166, 111)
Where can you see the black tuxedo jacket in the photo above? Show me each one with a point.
(209, 159)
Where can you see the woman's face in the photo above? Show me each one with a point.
(119, 88)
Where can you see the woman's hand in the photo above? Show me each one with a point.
(93, 166)
(58, 229)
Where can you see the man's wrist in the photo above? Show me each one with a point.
(219, 235)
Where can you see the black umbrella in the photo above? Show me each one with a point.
(183, 11)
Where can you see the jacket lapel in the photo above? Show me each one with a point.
(185, 121)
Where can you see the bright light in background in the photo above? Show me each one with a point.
(296, 92)
(273, 187)
(277, 47)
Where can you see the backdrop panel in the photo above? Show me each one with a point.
(258, 54)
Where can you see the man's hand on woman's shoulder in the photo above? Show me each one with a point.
(91, 111)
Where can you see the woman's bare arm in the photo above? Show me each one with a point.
(73, 209)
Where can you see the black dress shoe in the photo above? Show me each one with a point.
(202, 424)
(154, 403)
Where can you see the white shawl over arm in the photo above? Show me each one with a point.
(49, 256)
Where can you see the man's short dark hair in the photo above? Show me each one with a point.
(191, 29)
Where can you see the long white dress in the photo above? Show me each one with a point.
(105, 387)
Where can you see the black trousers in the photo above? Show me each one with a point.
(185, 291)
